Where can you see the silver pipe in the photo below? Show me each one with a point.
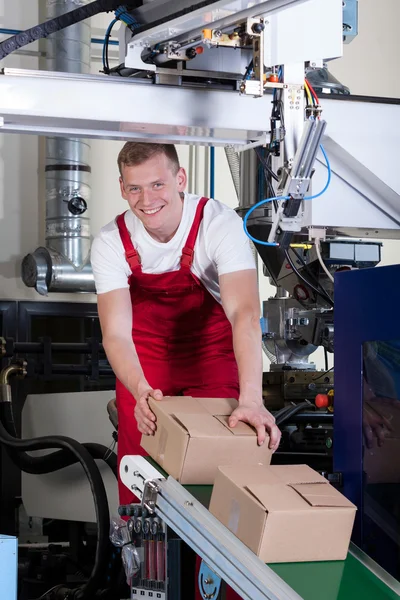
(64, 264)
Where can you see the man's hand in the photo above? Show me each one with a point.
(375, 427)
(145, 418)
(260, 418)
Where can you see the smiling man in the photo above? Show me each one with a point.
(177, 298)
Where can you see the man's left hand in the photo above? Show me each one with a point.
(260, 418)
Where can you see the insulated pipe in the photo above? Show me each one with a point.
(64, 264)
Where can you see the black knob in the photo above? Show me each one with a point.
(191, 53)
(257, 27)
(77, 205)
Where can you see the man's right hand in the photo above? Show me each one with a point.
(145, 418)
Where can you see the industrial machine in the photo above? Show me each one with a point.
(252, 77)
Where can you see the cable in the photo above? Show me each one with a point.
(323, 374)
(294, 410)
(326, 359)
(106, 64)
(55, 587)
(308, 93)
(266, 200)
(92, 472)
(328, 166)
(312, 92)
(308, 283)
(311, 274)
(43, 30)
(251, 210)
(323, 265)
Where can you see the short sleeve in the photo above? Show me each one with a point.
(108, 267)
(228, 245)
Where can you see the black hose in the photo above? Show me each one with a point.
(62, 22)
(40, 465)
(293, 410)
(82, 455)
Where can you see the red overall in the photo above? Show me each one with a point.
(182, 336)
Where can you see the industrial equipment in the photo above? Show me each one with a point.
(313, 196)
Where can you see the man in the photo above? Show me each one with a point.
(177, 299)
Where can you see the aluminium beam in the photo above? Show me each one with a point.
(87, 106)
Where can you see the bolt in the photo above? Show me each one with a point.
(218, 33)
(188, 503)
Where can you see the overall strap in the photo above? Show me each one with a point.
(131, 255)
(188, 249)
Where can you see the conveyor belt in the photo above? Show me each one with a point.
(356, 578)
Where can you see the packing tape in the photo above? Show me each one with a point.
(234, 516)
(162, 444)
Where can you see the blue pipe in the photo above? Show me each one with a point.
(212, 172)
(94, 40)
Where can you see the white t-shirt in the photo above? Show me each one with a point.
(221, 247)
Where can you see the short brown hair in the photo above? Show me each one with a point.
(136, 153)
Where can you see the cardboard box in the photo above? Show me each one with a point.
(284, 513)
(193, 438)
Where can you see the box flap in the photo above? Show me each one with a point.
(218, 406)
(321, 494)
(201, 425)
(293, 474)
(172, 404)
(277, 497)
(239, 429)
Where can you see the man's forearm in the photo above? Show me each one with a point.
(125, 363)
(246, 333)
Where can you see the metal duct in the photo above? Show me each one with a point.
(64, 264)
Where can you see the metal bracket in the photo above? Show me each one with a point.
(209, 582)
(149, 498)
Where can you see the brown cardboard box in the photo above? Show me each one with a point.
(193, 438)
(284, 513)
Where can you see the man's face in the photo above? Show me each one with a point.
(153, 190)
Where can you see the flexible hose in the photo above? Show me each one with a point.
(83, 456)
(40, 465)
(58, 23)
(287, 415)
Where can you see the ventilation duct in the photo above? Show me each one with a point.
(64, 264)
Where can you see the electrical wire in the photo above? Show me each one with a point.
(326, 359)
(322, 263)
(322, 374)
(308, 93)
(311, 274)
(304, 280)
(55, 587)
(313, 92)
(106, 64)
